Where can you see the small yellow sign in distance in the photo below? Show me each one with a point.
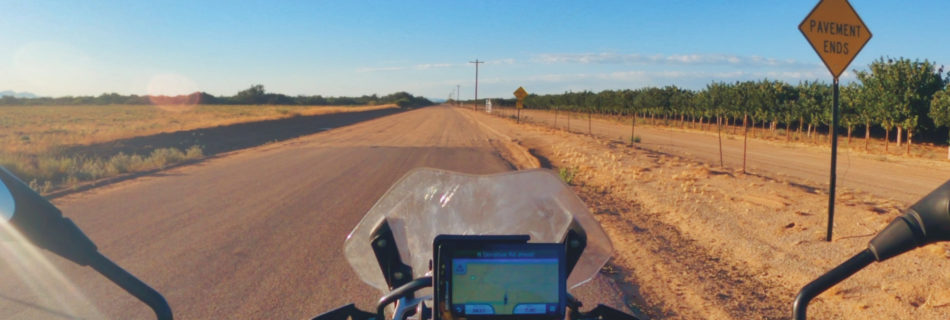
(519, 104)
(836, 32)
(521, 93)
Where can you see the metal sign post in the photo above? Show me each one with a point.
(834, 162)
(837, 34)
(520, 94)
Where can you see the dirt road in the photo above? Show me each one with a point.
(251, 234)
(896, 178)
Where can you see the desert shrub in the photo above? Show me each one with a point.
(160, 158)
(567, 175)
(194, 152)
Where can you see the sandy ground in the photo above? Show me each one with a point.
(697, 242)
(892, 177)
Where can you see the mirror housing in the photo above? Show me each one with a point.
(42, 223)
(926, 222)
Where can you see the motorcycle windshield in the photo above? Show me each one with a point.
(429, 202)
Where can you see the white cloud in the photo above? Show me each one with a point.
(675, 59)
(658, 78)
(380, 69)
(430, 66)
(508, 61)
(546, 73)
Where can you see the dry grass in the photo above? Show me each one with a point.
(32, 138)
(38, 129)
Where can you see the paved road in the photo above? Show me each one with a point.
(904, 180)
(253, 234)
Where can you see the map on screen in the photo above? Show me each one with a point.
(505, 286)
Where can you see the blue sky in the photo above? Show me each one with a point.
(423, 47)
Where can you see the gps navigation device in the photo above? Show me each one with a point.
(499, 277)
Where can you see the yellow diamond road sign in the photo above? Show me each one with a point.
(836, 32)
(520, 93)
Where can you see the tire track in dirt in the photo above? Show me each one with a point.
(648, 251)
(662, 246)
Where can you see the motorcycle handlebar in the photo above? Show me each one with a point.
(828, 280)
(601, 312)
(400, 292)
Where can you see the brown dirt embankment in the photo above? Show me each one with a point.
(509, 149)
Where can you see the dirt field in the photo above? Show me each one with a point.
(38, 129)
(696, 242)
(56, 147)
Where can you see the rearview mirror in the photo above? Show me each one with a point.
(40, 222)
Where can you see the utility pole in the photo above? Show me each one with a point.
(458, 87)
(476, 62)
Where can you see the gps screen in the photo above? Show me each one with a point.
(507, 280)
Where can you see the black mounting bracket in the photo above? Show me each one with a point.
(575, 241)
(384, 246)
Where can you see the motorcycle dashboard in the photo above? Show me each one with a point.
(499, 277)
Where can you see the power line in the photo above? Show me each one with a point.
(476, 62)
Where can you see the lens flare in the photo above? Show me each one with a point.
(49, 66)
(173, 92)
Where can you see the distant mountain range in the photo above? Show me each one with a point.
(17, 94)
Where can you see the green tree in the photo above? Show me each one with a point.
(252, 95)
(786, 97)
(850, 99)
(940, 110)
(904, 88)
(812, 98)
(866, 112)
